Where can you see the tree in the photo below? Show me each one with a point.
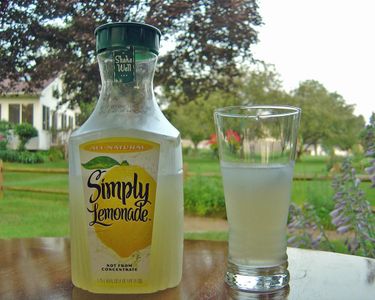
(25, 132)
(258, 85)
(195, 118)
(262, 85)
(40, 39)
(326, 118)
(368, 133)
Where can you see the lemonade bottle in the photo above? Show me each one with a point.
(125, 175)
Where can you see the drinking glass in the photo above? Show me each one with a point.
(257, 146)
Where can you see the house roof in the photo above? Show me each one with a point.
(8, 86)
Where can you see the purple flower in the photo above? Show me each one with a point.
(352, 211)
(370, 170)
(343, 229)
(335, 212)
(338, 195)
(337, 220)
(303, 223)
(346, 219)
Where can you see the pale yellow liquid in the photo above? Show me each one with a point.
(167, 239)
(257, 201)
(130, 111)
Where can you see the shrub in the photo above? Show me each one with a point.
(303, 223)
(319, 195)
(55, 153)
(353, 212)
(25, 132)
(5, 128)
(204, 196)
(3, 142)
(25, 157)
(333, 162)
(370, 151)
(187, 150)
(213, 145)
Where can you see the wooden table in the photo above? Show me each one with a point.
(39, 268)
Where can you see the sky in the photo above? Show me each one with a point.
(330, 41)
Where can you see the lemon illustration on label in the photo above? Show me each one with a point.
(121, 204)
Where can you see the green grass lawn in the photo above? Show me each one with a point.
(25, 214)
(310, 165)
(204, 162)
(29, 214)
(37, 214)
(36, 180)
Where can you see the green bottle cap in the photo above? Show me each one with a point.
(121, 34)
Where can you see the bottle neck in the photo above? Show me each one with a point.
(130, 91)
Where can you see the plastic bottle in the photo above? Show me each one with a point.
(125, 174)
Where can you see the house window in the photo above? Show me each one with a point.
(28, 113)
(14, 113)
(46, 125)
(21, 113)
(70, 122)
(54, 120)
(63, 121)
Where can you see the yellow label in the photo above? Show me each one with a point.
(120, 182)
(117, 145)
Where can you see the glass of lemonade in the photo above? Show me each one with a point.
(257, 146)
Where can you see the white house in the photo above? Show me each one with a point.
(41, 109)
